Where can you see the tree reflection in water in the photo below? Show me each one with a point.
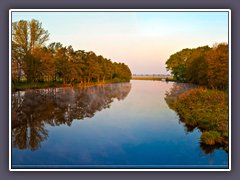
(33, 109)
(171, 97)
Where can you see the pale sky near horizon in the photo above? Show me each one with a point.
(142, 40)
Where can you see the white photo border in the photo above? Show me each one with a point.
(119, 10)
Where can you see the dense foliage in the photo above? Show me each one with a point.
(207, 110)
(32, 61)
(203, 65)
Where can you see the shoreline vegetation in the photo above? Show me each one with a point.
(23, 85)
(35, 65)
(154, 78)
(207, 110)
(147, 78)
(204, 107)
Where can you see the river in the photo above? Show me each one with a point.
(122, 125)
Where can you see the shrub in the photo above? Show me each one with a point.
(207, 110)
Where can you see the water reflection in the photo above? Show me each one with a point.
(33, 109)
(171, 97)
(176, 90)
(210, 149)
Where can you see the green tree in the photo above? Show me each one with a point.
(26, 36)
(177, 64)
(203, 65)
(196, 66)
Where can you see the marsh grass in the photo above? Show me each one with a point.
(147, 78)
(35, 85)
(24, 85)
(207, 110)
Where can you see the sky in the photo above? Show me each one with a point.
(142, 40)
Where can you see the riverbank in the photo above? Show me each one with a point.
(207, 110)
(147, 78)
(20, 86)
(152, 78)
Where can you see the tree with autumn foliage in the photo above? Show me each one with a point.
(34, 62)
(217, 72)
(203, 65)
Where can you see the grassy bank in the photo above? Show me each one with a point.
(36, 85)
(207, 110)
(171, 79)
(147, 78)
(40, 85)
(153, 78)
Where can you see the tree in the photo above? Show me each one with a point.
(177, 64)
(47, 63)
(217, 72)
(38, 36)
(62, 65)
(203, 65)
(20, 36)
(196, 66)
(26, 36)
(31, 68)
(31, 58)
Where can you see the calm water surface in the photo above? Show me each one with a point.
(125, 125)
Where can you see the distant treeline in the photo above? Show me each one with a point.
(32, 61)
(203, 65)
